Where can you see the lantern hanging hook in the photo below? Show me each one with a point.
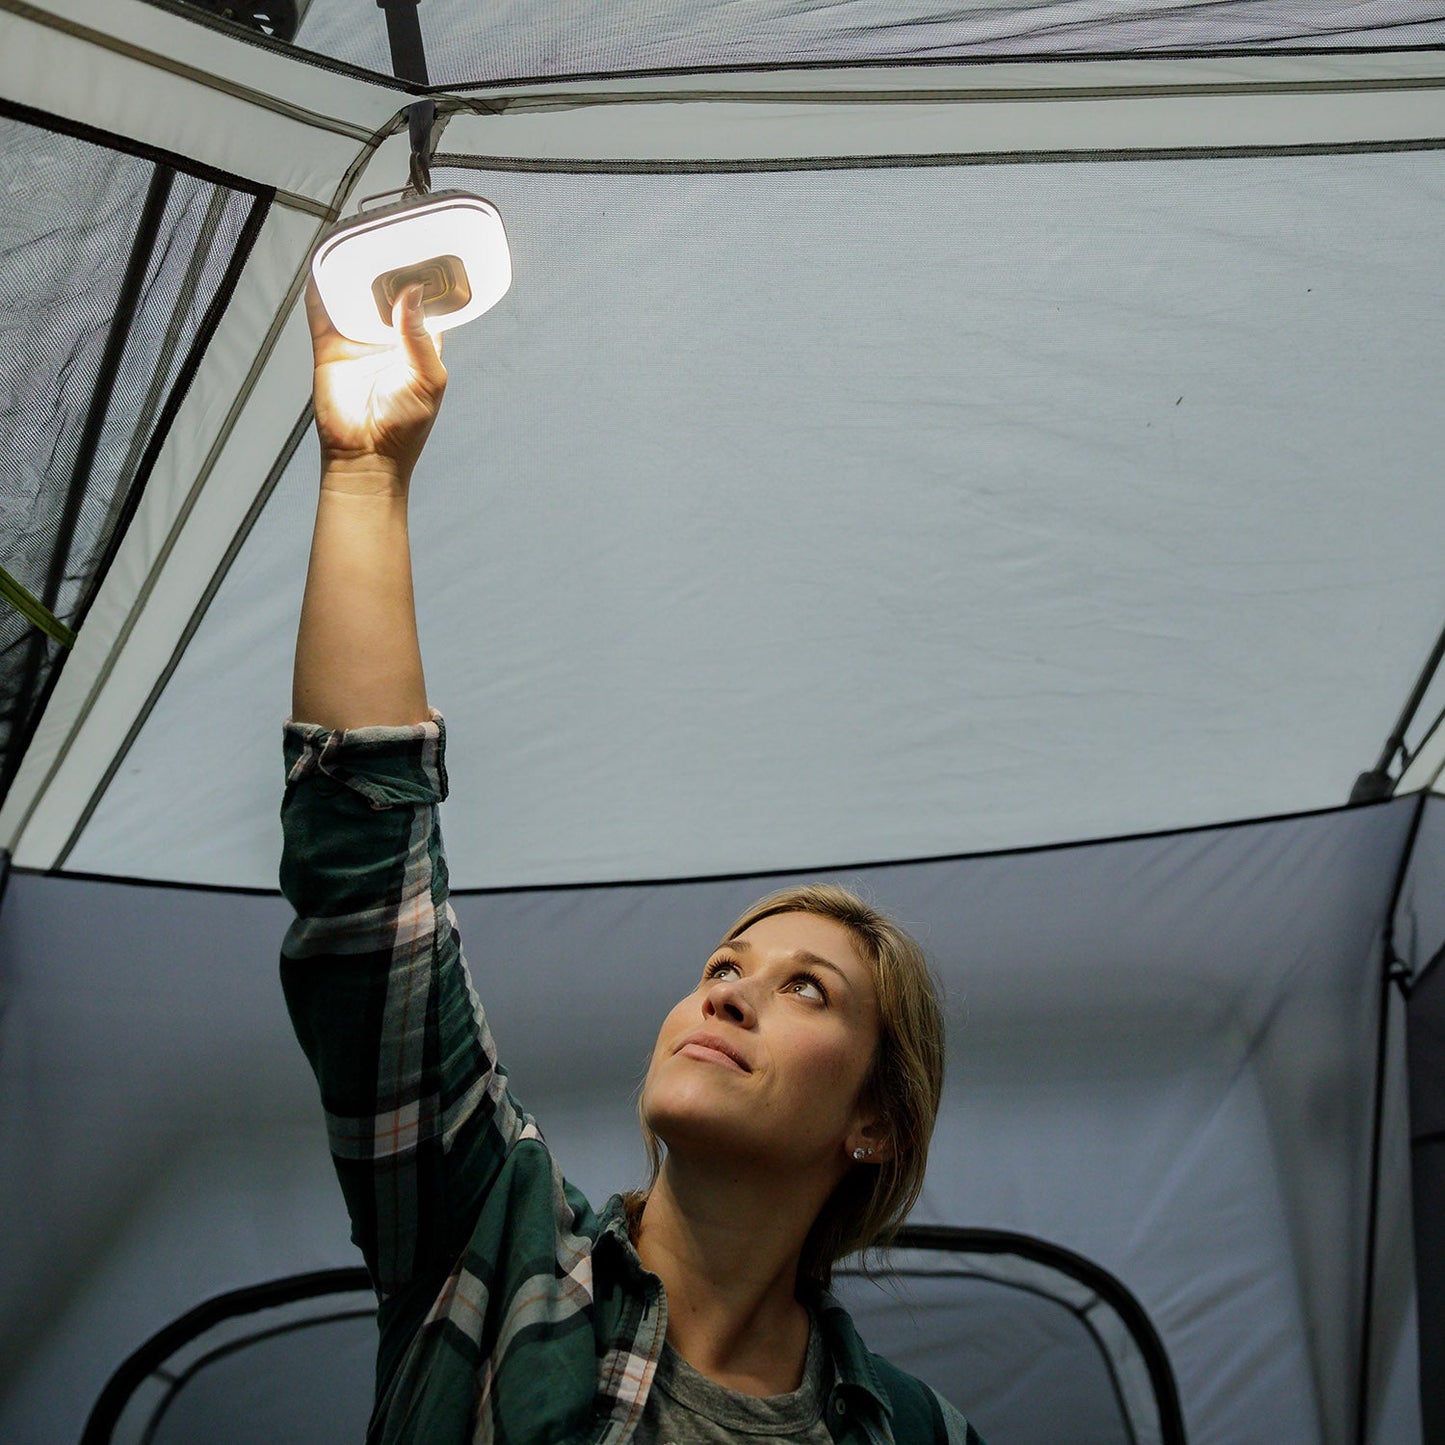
(420, 118)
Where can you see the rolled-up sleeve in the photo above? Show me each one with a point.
(417, 1107)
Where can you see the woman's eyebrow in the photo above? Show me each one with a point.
(801, 955)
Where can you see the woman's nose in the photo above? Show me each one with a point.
(728, 998)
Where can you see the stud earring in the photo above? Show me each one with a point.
(862, 1153)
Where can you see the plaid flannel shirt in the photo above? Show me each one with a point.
(508, 1310)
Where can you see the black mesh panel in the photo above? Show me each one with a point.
(110, 265)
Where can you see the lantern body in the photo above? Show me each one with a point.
(452, 242)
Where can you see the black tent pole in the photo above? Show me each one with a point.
(1377, 783)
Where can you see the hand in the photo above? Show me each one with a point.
(375, 405)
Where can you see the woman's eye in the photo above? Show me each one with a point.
(808, 981)
(799, 981)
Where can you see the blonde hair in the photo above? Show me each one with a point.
(905, 1082)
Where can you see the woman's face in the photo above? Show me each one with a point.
(765, 1059)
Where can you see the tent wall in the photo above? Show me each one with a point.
(109, 288)
(132, 79)
(1427, 1130)
(1420, 940)
(1420, 914)
(1163, 1055)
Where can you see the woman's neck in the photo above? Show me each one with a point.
(726, 1246)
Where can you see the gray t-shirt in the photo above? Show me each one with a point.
(684, 1407)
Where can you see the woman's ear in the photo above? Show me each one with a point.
(872, 1137)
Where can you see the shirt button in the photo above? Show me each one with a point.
(839, 1408)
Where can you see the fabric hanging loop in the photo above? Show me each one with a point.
(32, 608)
(420, 118)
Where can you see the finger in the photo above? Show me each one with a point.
(423, 350)
(320, 322)
(327, 343)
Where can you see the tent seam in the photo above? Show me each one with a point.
(313, 119)
(993, 58)
(902, 161)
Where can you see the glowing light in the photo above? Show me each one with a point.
(451, 242)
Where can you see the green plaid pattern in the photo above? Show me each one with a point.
(509, 1311)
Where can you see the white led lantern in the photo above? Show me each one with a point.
(452, 242)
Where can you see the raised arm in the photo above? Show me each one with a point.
(358, 662)
(417, 1108)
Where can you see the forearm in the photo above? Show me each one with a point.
(358, 660)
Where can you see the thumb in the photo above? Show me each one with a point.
(422, 348)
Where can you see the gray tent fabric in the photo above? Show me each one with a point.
(1155, 1045)
(1427, 1157)
(1420, 930)
(1420, 914)
(1120, 542)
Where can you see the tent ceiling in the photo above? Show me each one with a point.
(468, 44)
(851, 502)
(788, 520)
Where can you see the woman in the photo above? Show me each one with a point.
(795, 1088)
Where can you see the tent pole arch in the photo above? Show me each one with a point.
(172, 1356)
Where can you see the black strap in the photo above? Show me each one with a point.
(403, 29)
(408, 61)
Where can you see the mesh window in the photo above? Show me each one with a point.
(517, 39)
(1033, 1343)
(111, 267)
